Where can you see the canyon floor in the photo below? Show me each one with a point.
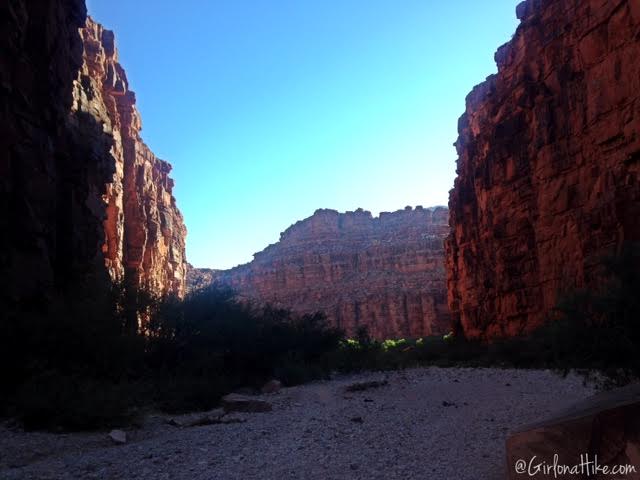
(424, 423)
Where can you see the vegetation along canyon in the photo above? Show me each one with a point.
(489, 330)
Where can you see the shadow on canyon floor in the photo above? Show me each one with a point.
(75, 363)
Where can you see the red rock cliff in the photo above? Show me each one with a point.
(144, 231)
(549, 160)
(80, 193)
(385, 273)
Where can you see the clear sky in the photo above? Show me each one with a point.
(271, 109)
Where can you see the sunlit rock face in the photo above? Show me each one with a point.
(384, 273)
(144, 230)
(81, 195)
(548, 168)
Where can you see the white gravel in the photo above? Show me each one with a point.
(426, 423)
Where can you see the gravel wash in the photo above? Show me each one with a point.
(425, 423)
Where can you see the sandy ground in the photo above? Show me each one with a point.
(426, 423)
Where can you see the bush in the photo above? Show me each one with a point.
(82, 361)
(212, 336)
(599, 329)
(99, 364)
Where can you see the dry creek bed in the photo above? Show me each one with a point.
(425, 423)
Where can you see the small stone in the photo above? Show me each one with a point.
(228, 419)
(272, 386)
(118, 436)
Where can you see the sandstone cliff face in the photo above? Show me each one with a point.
(549, 160)
(80, 194)
(385, 273)
(144, 231)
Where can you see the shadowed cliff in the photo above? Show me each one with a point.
(81, 196)
(548, 171)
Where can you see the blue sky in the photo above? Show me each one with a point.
(269, 110)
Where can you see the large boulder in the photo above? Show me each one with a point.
(602, 431)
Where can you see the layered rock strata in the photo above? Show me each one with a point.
(384, 273)
(80, 193)
(549, 164)
(144, 230)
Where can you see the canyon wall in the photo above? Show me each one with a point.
(548, 168)
(81, 196)
(144, 241)
(385, 273)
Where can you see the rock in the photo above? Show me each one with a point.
(118, 436)
(197, 419)
(606, 425)
(200, 278)
(215, 417)
(385, 273)
(241, 403)
(548, 170)
(229, 418)
(272, 386)
(85, 197)
(363, 386)
(144, 231)
(215, 413)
